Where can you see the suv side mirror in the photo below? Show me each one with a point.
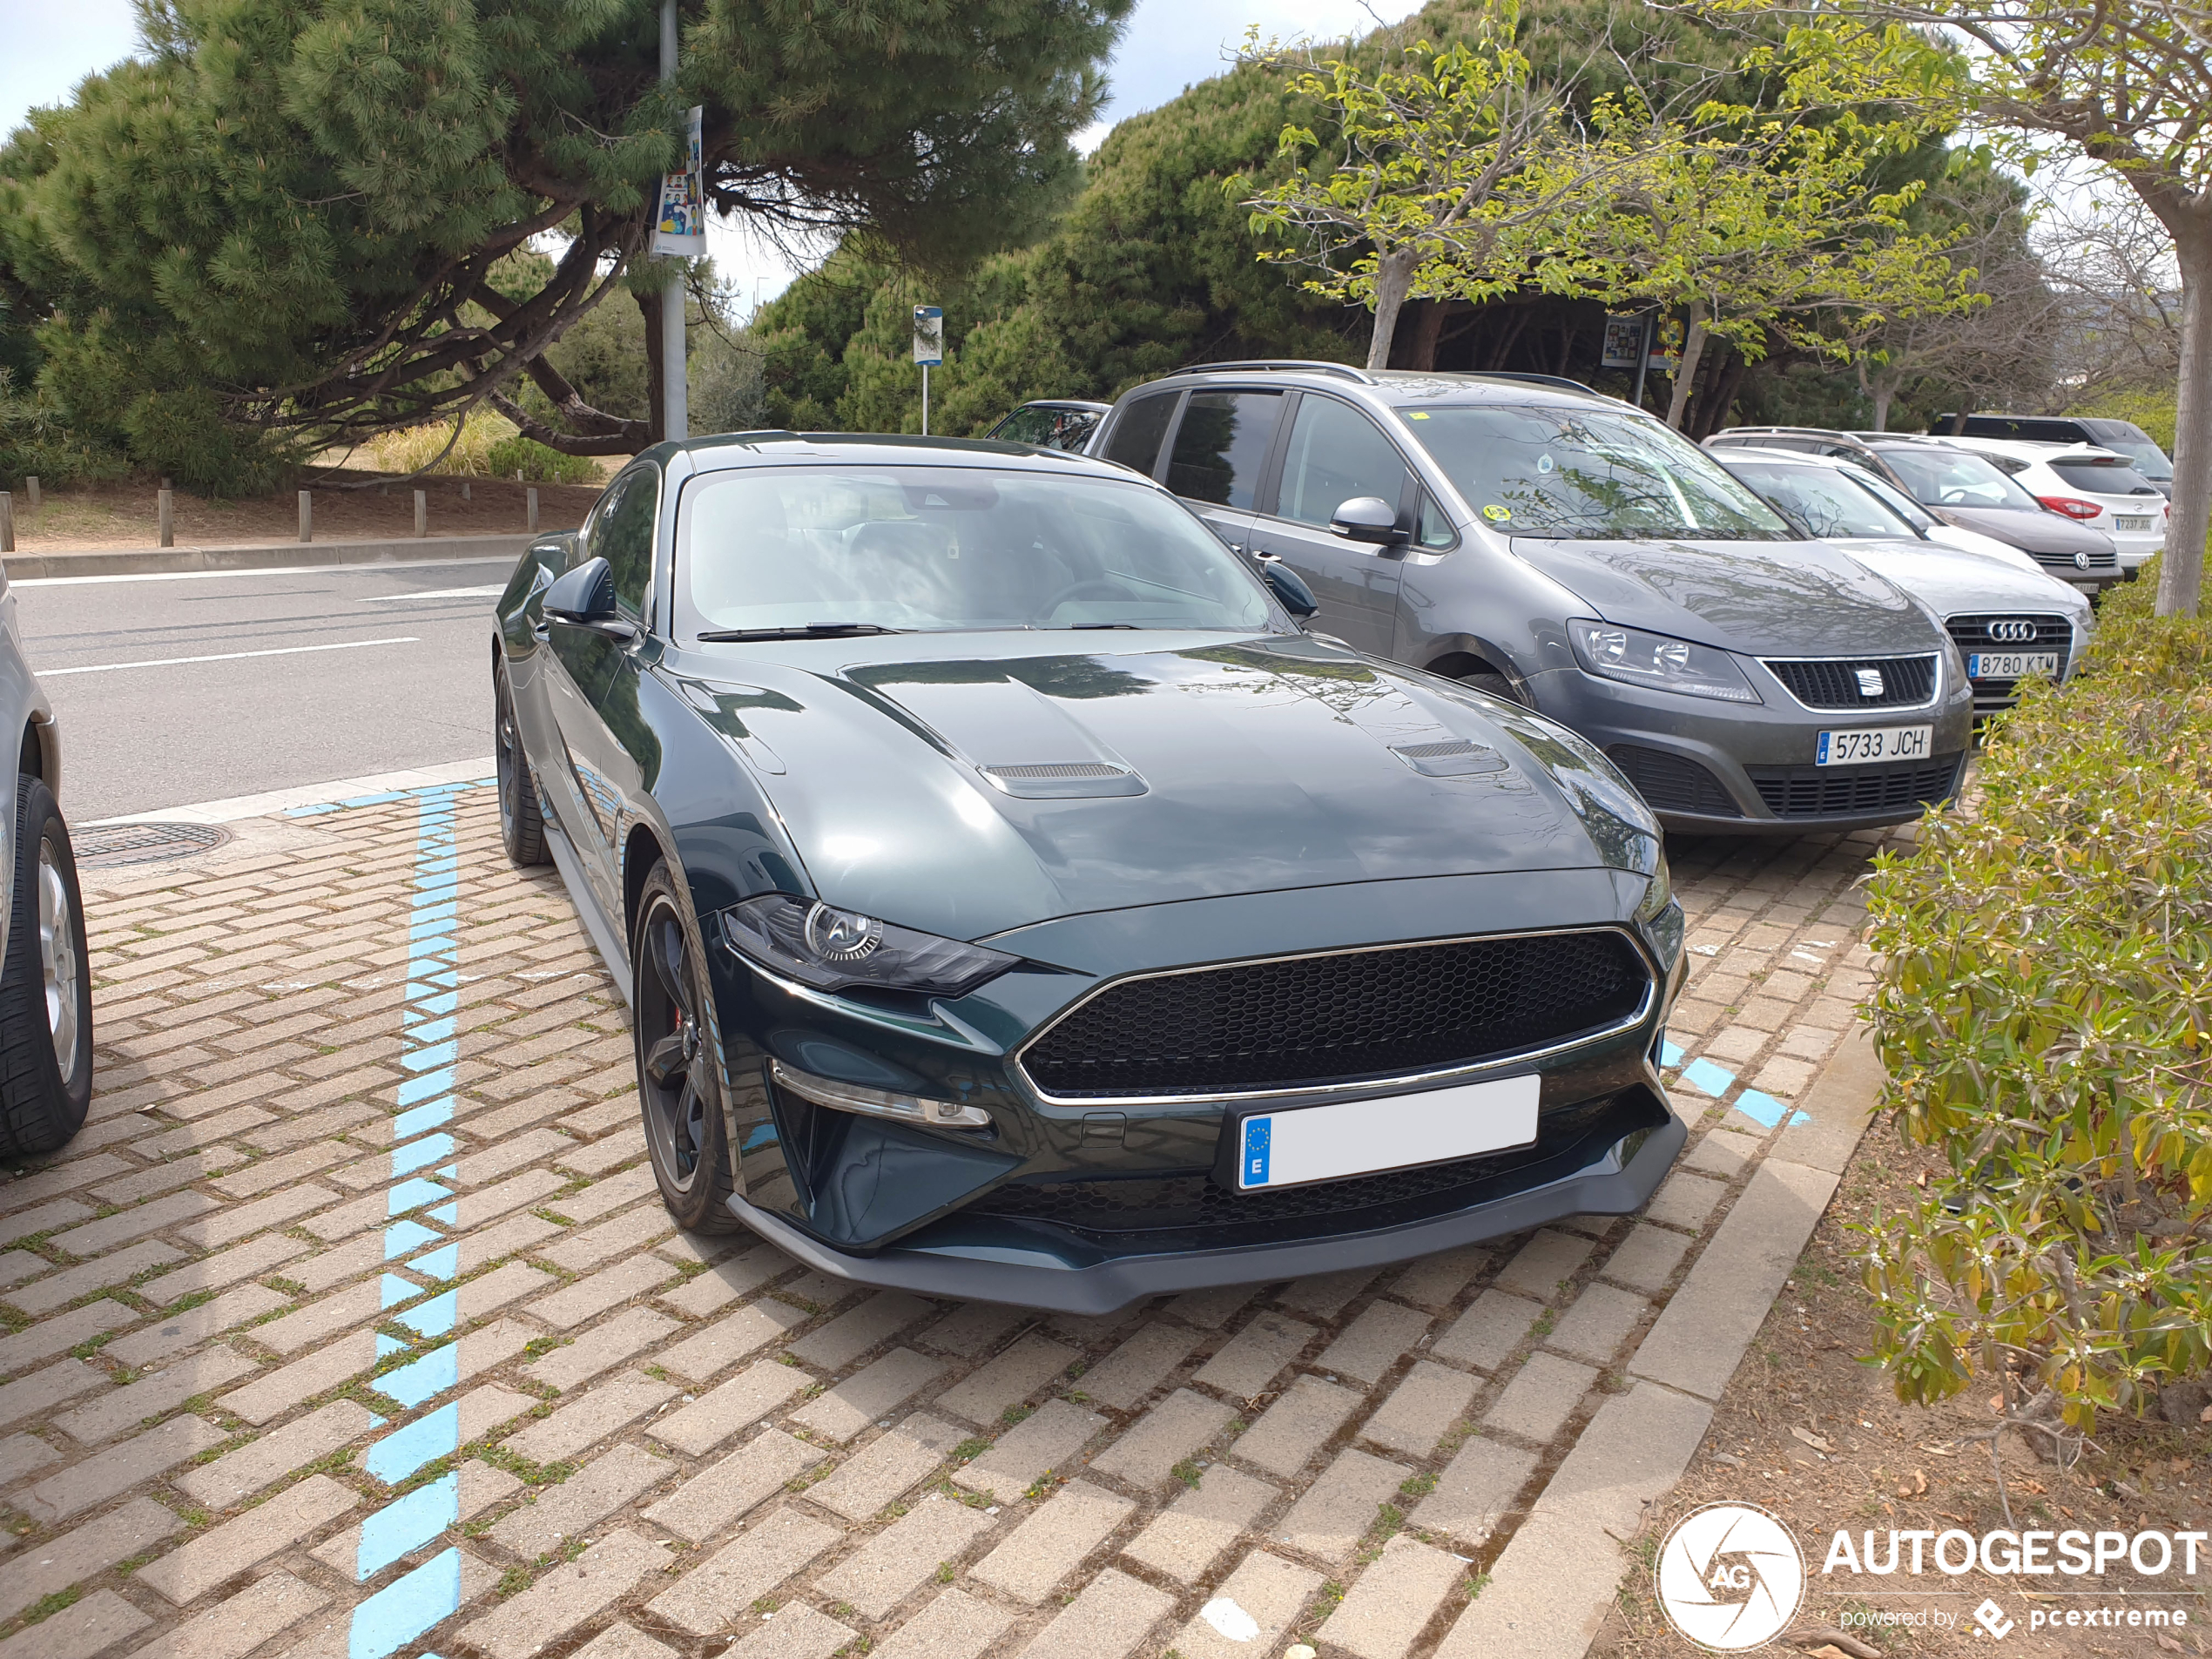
(1366, 518)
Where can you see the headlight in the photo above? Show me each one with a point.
(833, 949)
(1655, 896)
(1639, 658)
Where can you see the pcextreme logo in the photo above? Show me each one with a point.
(1731, 1577)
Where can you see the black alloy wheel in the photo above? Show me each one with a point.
(521, 831)
(45, 986)
(679, 1088)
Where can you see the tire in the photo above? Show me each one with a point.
(521, 830)
(680, 1087)
(1495, 684)
(45, 989)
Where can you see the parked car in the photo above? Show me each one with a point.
(1052, 423)
(1964, 489)
(1013, 903)
(2103, 431)
(2008, 619)
(45, 982)
(1561, 549)
(2100, 488)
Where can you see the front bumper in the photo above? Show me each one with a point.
(1618, 1181)
(1735, 769)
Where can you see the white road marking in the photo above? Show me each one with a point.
(493, 591)
(386, 565)
(224, 657)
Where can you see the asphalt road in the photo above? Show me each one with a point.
(364, 670)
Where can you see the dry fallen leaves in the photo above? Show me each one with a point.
(1812, 1439)
(1915, 1487)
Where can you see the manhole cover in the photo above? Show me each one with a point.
(101, 845)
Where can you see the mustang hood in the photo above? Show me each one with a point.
(972, 794)
(1761, 599)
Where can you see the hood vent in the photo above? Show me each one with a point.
(1456, 757)
(1065, 780)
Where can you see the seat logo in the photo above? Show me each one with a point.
(2011, 631)
(1870, 682)
(1730, 1577)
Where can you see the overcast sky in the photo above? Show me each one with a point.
(1169, 44)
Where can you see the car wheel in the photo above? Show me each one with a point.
(679, 1084)
(521, 831)
(45, 989)
(1495, 684)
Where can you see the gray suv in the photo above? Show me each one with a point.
(1541, 543)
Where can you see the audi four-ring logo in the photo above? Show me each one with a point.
(2011, 633)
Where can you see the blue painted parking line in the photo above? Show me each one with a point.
(1708, 1077)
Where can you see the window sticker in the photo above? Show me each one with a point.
(1496, 514)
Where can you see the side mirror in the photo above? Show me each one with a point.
(1288, 587)
(1366, 518)
(583, 595)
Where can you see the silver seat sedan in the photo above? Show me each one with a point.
(45, 982)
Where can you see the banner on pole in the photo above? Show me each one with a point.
(680, 227)
(929, 335)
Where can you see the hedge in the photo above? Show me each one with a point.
(2044, 1008)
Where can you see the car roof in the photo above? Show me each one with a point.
(2036, 448)
(1065, 403)
(1427, 386)
(735, 450)
(1796, 457)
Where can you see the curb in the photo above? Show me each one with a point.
(1554, 1582)
(150, 560)
(308, 800)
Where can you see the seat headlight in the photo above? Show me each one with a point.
(1635, 657)
(833, 949)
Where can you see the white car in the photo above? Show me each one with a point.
(2099, 488)
(2008, 618)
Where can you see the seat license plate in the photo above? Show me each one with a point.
(1872, 743)
(2130, 521)
(1289, 1149)
(2011, 665)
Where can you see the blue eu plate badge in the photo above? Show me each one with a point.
(1255, 1138)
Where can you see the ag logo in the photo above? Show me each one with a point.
(1731, 1577)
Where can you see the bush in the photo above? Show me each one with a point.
(537, 464)
(35, 443)
(2044, 1011)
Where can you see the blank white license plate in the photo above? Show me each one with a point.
(1358, 1137)
(1873, 742)
(2011, 665)
(2129, 522)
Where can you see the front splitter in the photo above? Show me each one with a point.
(1606, 1187)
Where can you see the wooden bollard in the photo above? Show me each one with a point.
(31, 491)
(421, 513)
(6, 522)
(532, 495)
(464, 489)
(307, 514)
(164, 511)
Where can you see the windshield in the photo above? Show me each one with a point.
(1589, 473)
(1048, 428)
(1953, 478)
(944, 549)
(1821, 498)
(2138, 446)
(2103, 478)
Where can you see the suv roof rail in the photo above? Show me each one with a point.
(1309, 365)
(1559, 381)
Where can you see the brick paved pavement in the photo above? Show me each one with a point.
(351, 1325)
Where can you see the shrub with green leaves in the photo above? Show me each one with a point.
(538, 464)
(2045, 1013)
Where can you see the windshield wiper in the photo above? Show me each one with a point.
(811, 630)
(1102, 625)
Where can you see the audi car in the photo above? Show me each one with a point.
(1015, 902)
(1559, 549)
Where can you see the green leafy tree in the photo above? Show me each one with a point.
(282, 220)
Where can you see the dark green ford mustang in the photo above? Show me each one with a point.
(1014, 903)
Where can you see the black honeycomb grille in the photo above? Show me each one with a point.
(1311, 1020)
(1905, 682)
(1851, 791)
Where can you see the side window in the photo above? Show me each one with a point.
(1025, 425)
(1435, 530)
(1222, 445)
(621, 534)
(1137, 437)
(1336, 453)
